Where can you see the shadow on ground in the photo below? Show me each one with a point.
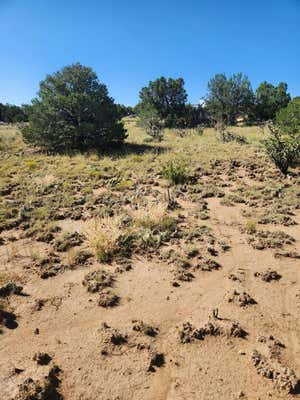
(132, 148)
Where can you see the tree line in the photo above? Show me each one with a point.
(10, 113)
(165, 100)
(73, 111)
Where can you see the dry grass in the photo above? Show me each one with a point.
(103, 236)
(53, 187)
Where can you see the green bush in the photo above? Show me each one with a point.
(10, 113)
(288, 119)
(226, 137)
(151, 122)
(283, 145)
(73, 111)
(269, 99)
(175, 171)
(166, 99)
(282, 148)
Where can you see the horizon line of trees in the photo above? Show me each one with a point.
(10, 113)
(227, 99)
(164, 102)
(73, 111)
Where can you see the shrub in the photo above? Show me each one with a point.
(154, 130)
(73, 111)
(161, 223)
(105, 248)
(175, 171)
(226, 136)
(152, 230)
(288, 119)
(184, 132)
(152, 123)
(283, 149)
(250, 227)
(31, 164)
(10, 113)
(111, 244)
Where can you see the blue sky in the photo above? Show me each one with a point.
(131, 42)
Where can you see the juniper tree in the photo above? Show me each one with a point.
(73, 111)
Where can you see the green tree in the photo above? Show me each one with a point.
(270, 99)
(167, 97)
(11, 113)
(229, 98)
(288, 118)
(283, 145)
(124, 111)
(73, 111)
(151, 122)
(194, 115)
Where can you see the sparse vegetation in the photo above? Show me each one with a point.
(226, 136)
(98, 280)
(92, 239)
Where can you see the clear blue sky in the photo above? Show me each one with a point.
(131, 42)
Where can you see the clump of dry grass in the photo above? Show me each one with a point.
(153, 218)
(250, 227)
(103, 235)
(112, 238)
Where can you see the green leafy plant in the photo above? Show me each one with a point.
(288, 119)
(151, 122)
(175, 171)
(283, 149)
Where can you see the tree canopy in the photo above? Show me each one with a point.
(73, 111)
(10, 113)
(167, 97)
(270, 99)
(288, 118)
(229, 98)
(166, 100)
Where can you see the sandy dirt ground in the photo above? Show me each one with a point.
(76, 333)
(223, 325)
